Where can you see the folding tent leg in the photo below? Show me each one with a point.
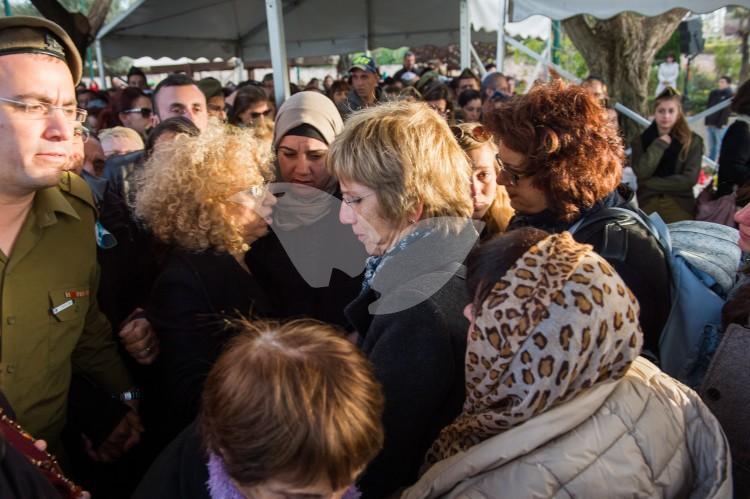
(100, 63)
(500, 56)
(465, 34)
(277, 43)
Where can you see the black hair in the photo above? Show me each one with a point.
(594, 78)
(467, 96)
(178, 124)
(491, 260)
(247, 96)
(136, 71)
(174, 80)
(727, 78)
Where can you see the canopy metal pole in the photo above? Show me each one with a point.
(482, 71)
(100, 63)
(500, 55)
(711, 110)
(277, 43)
(465, 34)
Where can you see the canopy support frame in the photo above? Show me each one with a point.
(277, 44)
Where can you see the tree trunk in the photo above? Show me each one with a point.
(82, 29)
(745, 51)
(621, 51)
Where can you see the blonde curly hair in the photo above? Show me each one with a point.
(185, 187)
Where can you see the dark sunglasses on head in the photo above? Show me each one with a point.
(145, 111)
(255, 115)
(479, 133)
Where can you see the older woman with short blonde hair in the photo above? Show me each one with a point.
(405, 187)
(202, 197)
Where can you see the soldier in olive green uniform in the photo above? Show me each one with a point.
(50, 323)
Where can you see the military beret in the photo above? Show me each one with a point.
(36, 35)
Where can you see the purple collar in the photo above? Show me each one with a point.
(220, 486)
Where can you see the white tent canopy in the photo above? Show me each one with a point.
(562, 9)
(237, 28)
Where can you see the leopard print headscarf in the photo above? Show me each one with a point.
(558, 322)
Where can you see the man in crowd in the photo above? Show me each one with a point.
(365, 91)
(137, 78)
(215, 101)
(268, 85)
(495, 83)
(410, 65)
(467, 80)
(178, 95)
(50, 322)
(716, 123)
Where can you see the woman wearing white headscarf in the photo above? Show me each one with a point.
(558, 402)
(309, 263)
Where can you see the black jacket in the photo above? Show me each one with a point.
(190, 302)
(180, 471)
(290, 293)
(418, 356)
(719, 118)
(734, 159)
(644, 267)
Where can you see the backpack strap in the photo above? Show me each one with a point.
(615, 241)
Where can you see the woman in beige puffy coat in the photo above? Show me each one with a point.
(558, 402)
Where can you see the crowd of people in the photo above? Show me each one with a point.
(408, 287)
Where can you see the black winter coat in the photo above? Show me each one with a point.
(734, 159)
(180, 471)
(190, 302)
(290, 293)
(644, 267)
(418, 356)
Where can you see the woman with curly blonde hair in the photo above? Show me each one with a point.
(202, 196)
(491, 202)
(561, 163)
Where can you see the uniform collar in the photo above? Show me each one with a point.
(50, 201)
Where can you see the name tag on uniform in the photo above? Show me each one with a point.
(63, 306)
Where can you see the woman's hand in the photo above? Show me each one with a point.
(256, 225)
(139, 338)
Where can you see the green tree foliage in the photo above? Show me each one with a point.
(570, 59)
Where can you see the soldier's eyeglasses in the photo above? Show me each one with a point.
(42, 110)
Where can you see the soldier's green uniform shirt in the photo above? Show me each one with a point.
(50, 321)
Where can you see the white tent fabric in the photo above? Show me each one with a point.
(561, 9)
(229, 28)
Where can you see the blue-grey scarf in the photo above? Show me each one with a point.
(375, 263)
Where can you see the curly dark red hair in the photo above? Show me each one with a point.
(567, 140)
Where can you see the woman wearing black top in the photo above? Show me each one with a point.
(562, 165)
(203, 197)
(310, 264)
(734, 160)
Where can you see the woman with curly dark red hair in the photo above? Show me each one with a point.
(561, 165)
